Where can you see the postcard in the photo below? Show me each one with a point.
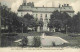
(40, 25)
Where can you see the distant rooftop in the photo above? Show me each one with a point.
(30, 7)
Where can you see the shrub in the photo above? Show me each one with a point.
(53, 43)
(8, 39)
(36, 42)
(24, 41)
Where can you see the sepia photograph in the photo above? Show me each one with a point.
(40, 23)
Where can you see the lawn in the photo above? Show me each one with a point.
(73, 40)
(9, 40)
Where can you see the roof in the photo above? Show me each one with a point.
(37, 9)
(45, 9)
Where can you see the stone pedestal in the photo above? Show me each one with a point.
(48, 29)
(54, 30)
(45, 28)
(38, 29)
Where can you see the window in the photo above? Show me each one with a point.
(36, 19)
(33, 14)
(41, 15)
(21, 7)
(21, 14)
(69, 8)
(36, 7)
(46, 15)
(41, 19)
(36, 15)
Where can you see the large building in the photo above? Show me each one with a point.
(43, 13)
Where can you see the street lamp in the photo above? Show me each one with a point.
(22, 28)
(66, 29)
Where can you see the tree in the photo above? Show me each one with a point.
(10, 19)
(40, 23)
(75, 27)
(28, 16)
(29, 21)
(59, 20)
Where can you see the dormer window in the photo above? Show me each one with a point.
(69, 8)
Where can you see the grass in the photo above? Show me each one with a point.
(73, 41)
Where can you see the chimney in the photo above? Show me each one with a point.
(64, 4)
(43, 5)
(24, 2)
(59, 5)
(33, 4)
(67, 4)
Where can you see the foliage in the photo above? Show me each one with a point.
(10, 19)
(59, 20)
(28, 16)
(53, 43)
(25, 41)
(63, 20)
(40, 23)
(16, 23)
(36, 42)
(75, 27)
(30, 21)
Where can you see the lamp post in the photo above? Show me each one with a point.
(22, 28)
(66, 29)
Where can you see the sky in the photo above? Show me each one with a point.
(14, 4)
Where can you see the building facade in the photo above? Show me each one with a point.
(43, 13)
